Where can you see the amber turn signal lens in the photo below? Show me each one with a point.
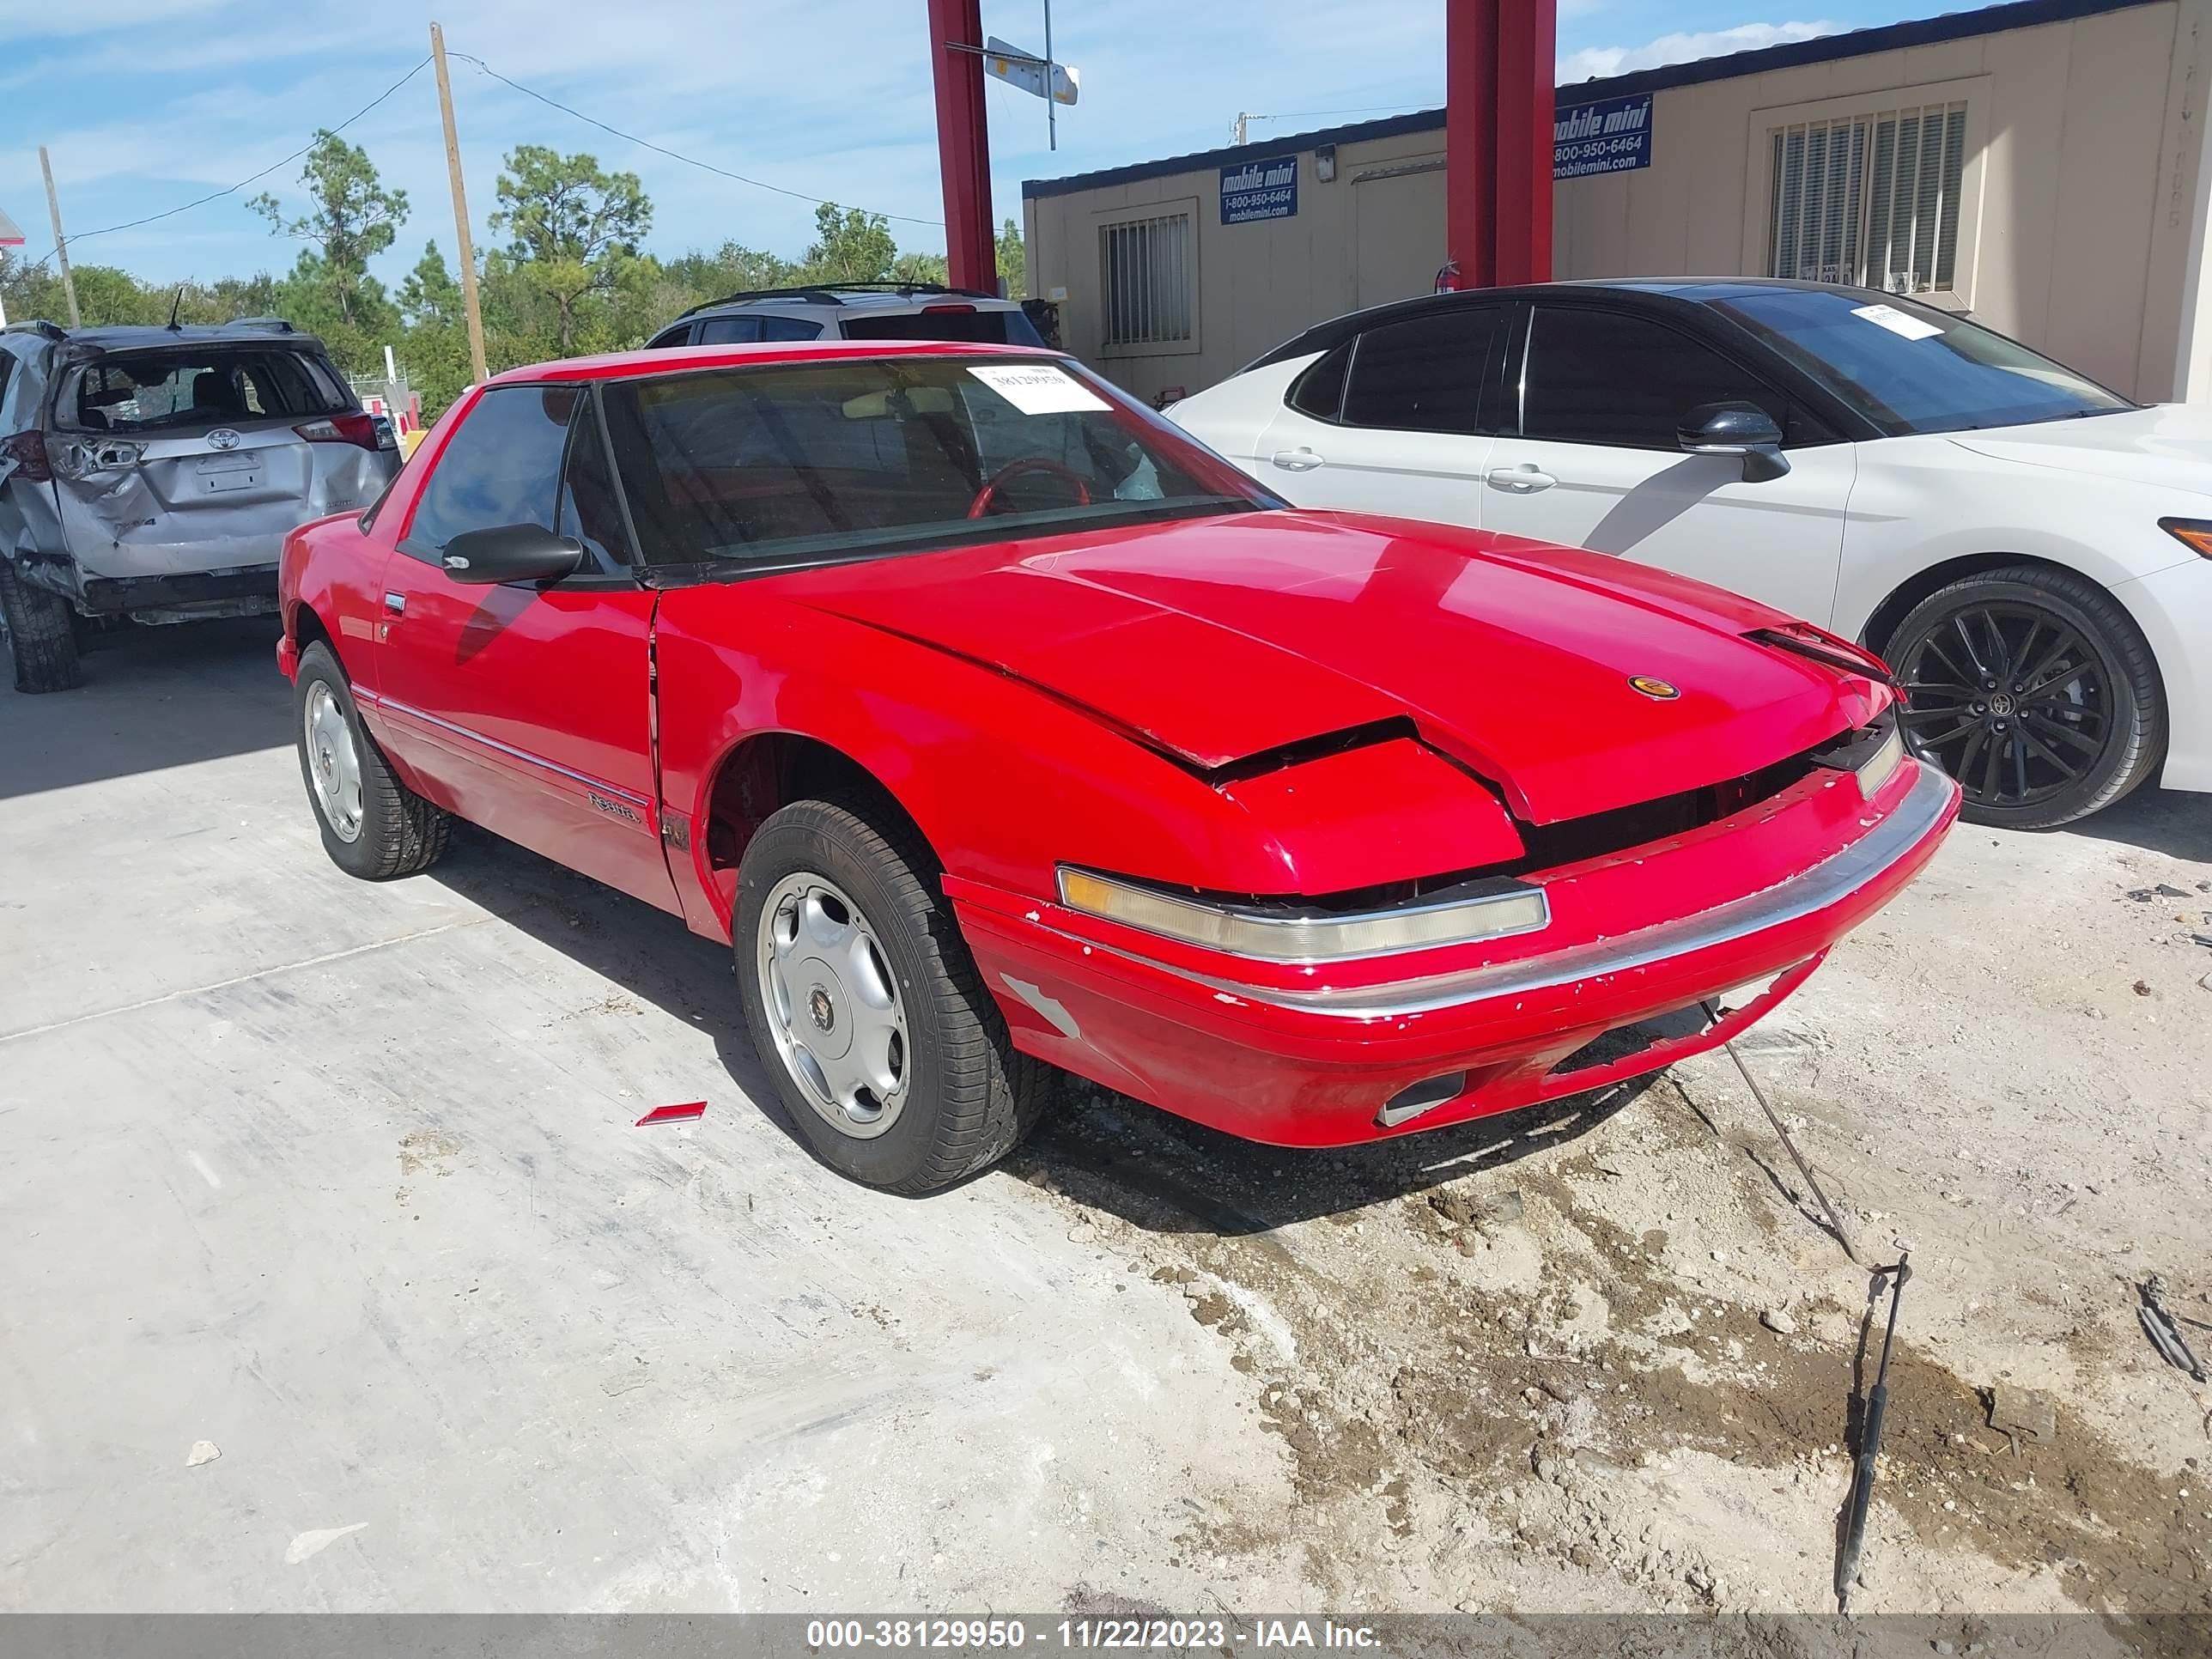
(2195, 534)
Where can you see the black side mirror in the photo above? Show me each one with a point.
(1744, 430)
(511, 553)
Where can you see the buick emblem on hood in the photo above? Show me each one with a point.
(1658, 690)
(223, 438)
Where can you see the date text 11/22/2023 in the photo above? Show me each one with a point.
(1085, 1635)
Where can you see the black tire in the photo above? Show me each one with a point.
(41, 634)
(2035, 688)
(399, 833)
(968, 1096)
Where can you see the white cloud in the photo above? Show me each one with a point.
(1684, 48)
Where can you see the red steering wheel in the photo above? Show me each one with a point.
(1014, 469)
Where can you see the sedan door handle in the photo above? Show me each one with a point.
(1525, 479)
(396, 603)
(1300, 459)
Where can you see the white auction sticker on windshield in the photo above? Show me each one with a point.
(1038, 388)
(1897, 322)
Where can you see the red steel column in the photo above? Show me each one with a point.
(963, 143)
(1528, 43)
(1471, 138)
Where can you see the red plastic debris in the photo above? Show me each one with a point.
(689, 1108)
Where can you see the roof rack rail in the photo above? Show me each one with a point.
(826, 294)
(37, 326)
(276, 325)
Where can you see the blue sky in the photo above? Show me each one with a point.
(145, 104)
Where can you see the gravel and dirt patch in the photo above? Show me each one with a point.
(1600, 1357)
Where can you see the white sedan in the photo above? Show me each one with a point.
(2032, 552)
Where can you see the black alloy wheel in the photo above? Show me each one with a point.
(2034, 689)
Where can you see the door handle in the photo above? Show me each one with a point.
(396, 603)
(1525, 479)
(1300, 459)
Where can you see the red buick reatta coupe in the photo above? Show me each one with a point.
(1001, 728)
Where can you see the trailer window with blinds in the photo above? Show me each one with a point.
(1147, 280)
(1871, 200)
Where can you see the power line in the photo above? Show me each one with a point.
(232, 189)
(673, 155)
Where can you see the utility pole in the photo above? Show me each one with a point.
(1051, 115)
(1236, 134)
(61, 242)
(461, 212)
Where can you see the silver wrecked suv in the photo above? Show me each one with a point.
(152, 474)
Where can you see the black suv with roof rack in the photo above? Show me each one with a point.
(854, 311)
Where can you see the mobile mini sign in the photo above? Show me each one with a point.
(1259, 189)
(1614, 136)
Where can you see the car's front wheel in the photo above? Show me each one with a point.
(2035, 690)
(867, 1009)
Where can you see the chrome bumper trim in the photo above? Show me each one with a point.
(1802, 895)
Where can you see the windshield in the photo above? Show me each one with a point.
(794, 463)
(1909, 367)
(950, 322)
(150, 391)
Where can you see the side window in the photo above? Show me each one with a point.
(1602, 377)
(1433, 373)
(789, 328)
(1319, 391)
(502, 467)
(680, 335)
(590, 509)
(729, 331)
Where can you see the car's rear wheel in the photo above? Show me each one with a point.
(374, 826)
(867, 1009)
(41, 634)
(2035, 690)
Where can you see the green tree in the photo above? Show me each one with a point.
(352, 218)
(1013, 262)
(849, 246)
(434, 348)
(575, 228)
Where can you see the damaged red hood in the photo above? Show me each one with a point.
(1217, 640)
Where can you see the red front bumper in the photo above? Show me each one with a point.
(1303, 1055)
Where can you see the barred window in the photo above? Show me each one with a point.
(1147, 280)
(1870, 199)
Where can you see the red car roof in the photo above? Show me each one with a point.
(618, 365)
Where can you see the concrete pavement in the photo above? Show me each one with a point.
(342, 1178)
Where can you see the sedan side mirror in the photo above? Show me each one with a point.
(1744, 430)
(510, 553)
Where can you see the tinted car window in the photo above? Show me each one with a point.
(590, 509)
(787, 463)
(150, 391)
(1429, 373)
(502, 467)
(678, 335)
(729, 331)
(1603, 377)
(789, 328)
(1910, 368)
(964, 324)
(1319, 391)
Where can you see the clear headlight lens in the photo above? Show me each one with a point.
(1881, 765)
(1498, 910)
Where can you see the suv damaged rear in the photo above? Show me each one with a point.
(151, 474)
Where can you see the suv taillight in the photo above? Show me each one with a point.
(29, 451)
(359, 430)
